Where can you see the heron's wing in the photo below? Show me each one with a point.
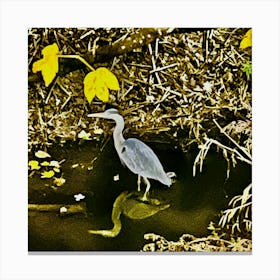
(141, 159)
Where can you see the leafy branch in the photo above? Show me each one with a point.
(96, 83)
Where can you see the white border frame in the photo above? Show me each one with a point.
(17, 16)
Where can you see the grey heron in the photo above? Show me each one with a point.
(135, 154)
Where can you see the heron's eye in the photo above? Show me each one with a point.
(123, 149)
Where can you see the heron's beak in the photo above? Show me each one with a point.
(96, 115)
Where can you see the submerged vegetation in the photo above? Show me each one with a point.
(188, 87)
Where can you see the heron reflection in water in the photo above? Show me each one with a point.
(135, 154)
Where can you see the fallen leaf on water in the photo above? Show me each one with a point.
(57, 170)
(59, 181)
(34, 165)
(54, 163)
(47, 174)
(42, 154)
(116, 177)
(45, 163)
(62, 210)
(79, 197)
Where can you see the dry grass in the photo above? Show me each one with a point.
(179, 82)
(190, 243)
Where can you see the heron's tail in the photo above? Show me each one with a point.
(166, 181)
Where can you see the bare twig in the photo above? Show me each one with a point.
(163, 68)
(233, 141)
(77, 57)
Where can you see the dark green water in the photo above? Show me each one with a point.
(194, 201)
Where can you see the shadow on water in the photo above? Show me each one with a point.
(194, 201)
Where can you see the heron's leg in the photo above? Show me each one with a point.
(147, 188)
(139, 183)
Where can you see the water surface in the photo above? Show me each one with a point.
(194, 201)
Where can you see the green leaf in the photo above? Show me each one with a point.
(247, 69)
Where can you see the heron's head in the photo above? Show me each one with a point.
(108, 114)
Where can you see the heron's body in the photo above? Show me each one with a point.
(135, 154)
(141, 160)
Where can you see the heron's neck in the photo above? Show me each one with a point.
(117, 134)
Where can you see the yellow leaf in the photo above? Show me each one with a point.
(38, 65)
(45, 163)
(89, 86)
(101, 90)
(108, 78)
(50, 70)
(59, 181)
(34, 165)
(47, 174)
(97, 83)
(247, 40)
(50, 50)
(57, 170)
(48, 65)
(42, 154)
